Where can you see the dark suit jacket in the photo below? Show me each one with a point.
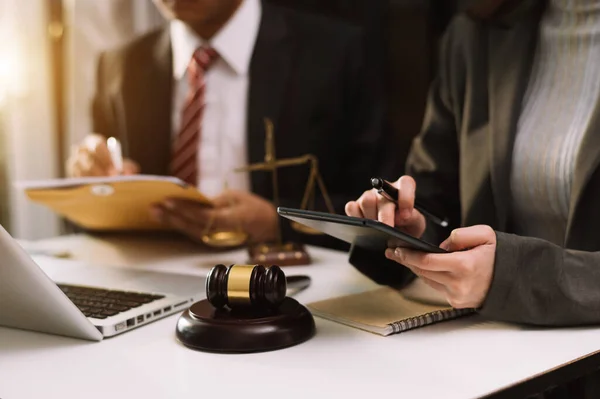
(462, 163)
(307, 74)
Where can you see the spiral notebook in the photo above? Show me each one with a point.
(383, 311)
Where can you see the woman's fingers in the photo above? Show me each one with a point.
(400, 213)
(406, 197)
(368, 204)
(353, 209)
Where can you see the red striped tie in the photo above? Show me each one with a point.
(184, 162)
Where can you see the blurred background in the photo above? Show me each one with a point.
(48, 60)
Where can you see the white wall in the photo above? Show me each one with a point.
(26, 94)
(28, 116)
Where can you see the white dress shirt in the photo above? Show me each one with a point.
(222, 146)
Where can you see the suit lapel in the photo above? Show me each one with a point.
(510, 56)
(148, 102)
(269, 72)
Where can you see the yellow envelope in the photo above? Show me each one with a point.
(110, 203)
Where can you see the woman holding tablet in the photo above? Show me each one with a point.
(510, 151)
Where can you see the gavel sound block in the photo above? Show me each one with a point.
(246, 311)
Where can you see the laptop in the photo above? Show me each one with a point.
(82, 301)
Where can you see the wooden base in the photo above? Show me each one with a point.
(288, 254)
(205, 328)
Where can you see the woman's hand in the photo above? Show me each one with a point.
(464, 276)
(402, 215)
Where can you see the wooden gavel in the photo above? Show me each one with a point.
(247, 310)
(246, 286)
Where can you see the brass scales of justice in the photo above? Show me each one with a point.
(278, 252)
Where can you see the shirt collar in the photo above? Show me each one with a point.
(234, 42)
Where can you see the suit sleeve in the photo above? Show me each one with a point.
(103, 111)
(365, 132)
(360, 134)
(360, 137)
(433, 162)
(540, 283)
(99, 109)
(434, 157)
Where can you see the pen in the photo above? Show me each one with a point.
(390, 193)
(295, 284)
(116, 154)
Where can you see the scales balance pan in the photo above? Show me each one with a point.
(285, 254)
(224, 238)
(314, 177)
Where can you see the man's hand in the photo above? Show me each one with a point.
(92, 158)
(464, 275)
(232, 210)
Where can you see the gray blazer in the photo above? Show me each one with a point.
(462, 163)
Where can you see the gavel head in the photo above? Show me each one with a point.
(246, 286)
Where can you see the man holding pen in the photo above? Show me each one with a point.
(190, 101)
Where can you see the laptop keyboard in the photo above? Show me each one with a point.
(101, 303)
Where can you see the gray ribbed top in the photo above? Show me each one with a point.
(559, 103)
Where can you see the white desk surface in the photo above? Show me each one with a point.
(464, 358)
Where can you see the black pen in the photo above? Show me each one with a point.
(390, 193)
(295, 284)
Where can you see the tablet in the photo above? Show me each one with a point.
(365, 233)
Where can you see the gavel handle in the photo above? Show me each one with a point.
(295, 284)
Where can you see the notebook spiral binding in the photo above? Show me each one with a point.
(428, 318)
